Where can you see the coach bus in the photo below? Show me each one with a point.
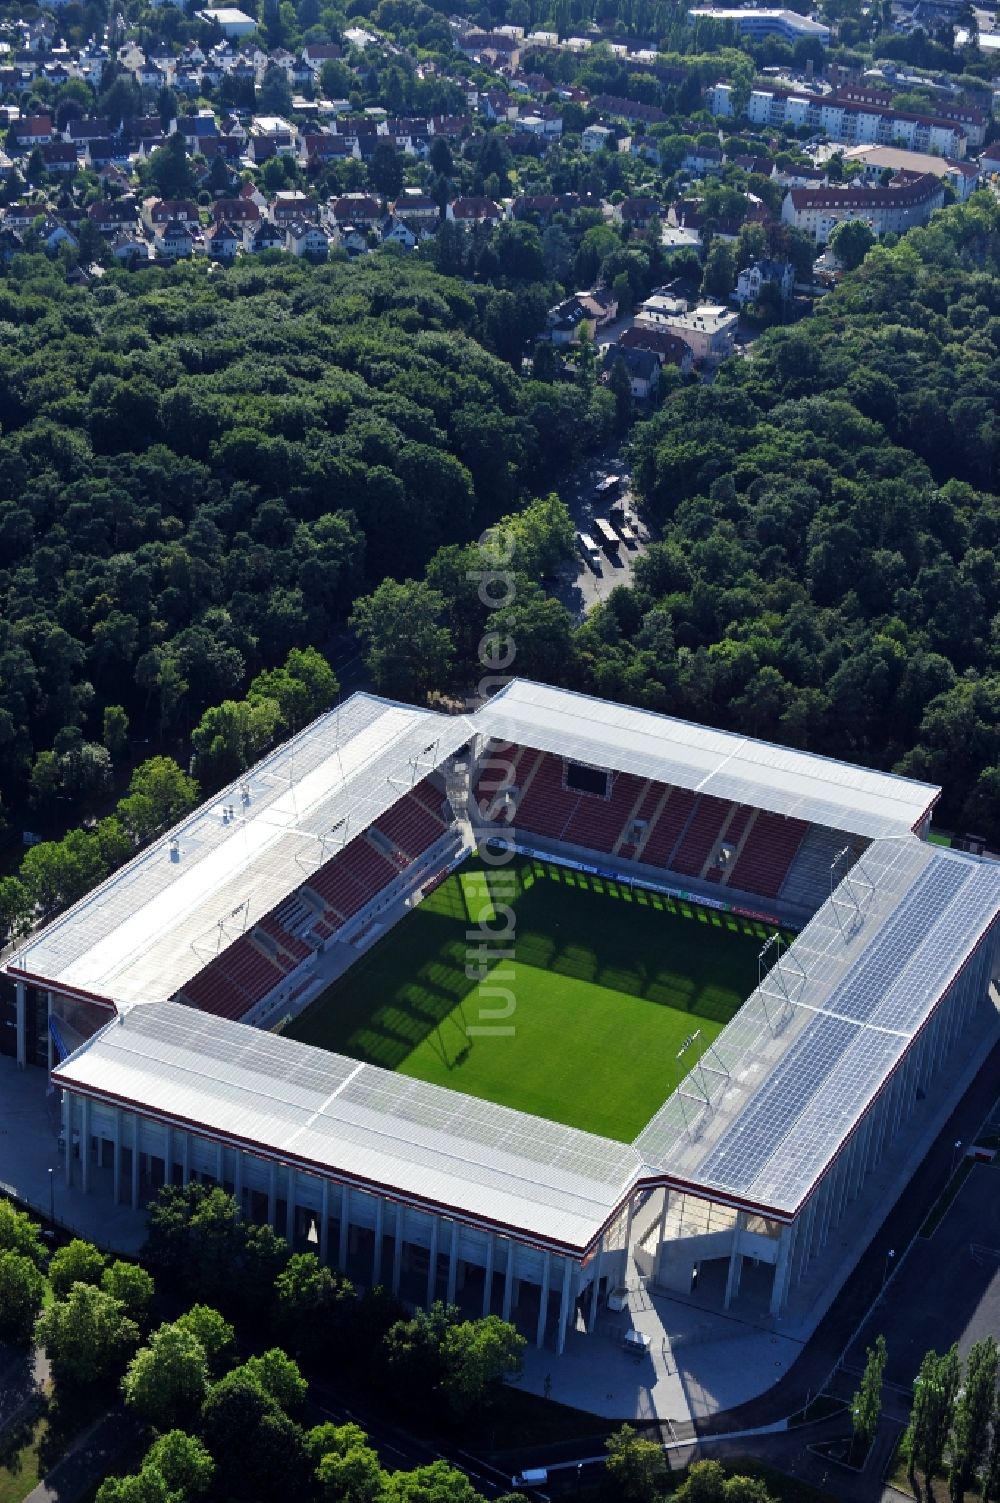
(606, 533)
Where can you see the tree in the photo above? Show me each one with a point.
(413, 1356)
(435, 1483)
(216, 1335)
(258, 1450)
(15, 908)
(275, 92)
(18, 1233)
(935, 1389)
(621, 390)
(850, 241)
(131, 1285)
(115, 732)
(385, 171)
(170, 169)
(407, 650)
(634, 1467)
(166, 1380)
(78, 1262)
(159, 795)
(22, 1291)
(866, 1406)
(279, 1376)
(478, 1356)
(183, 1463)
(347, 1469)
(719, 277)
(311, 1303)
(975, 1413)
(85, 1336)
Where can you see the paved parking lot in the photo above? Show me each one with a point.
(583, 584)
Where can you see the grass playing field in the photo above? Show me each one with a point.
(581, 1026)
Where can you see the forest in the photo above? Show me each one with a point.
(201, 472)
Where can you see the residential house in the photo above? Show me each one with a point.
(261, 237)
(393, 231)
(702, 161)
(540, 207)
(174, 239)
(88, 128)
(106, 151)
(358, 209)
(597, 138)
(595, 309)
(416, 209)
(319, 148)
(32, 131)
(352, 239)
(474, 210)
(157, 212)
(60, 156)
(766, 273)
(315, 54)
(223, 241)
(109, 215)
(642, 367)
(667, 347)
(236, 212)
(127, 246)
(291, 206)
(53, 234)
(305, 238)
(636, 213)
(628, 109)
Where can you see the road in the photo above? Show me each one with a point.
(581, 586)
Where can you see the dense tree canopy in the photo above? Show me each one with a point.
(200, 474)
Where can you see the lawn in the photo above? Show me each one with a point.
(580, 1024)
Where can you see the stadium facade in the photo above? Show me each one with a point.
(138, 999)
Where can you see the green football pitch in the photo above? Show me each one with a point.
(581, 1025)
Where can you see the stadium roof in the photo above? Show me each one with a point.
(816, 789)
(306, 1106)
(159, 920)
(773, 1099)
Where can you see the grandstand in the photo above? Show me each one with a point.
(242, 914)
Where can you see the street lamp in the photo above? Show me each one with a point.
(954, 1157)
(52, 1196)
(888, 1260)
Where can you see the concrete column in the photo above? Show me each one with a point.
(220, 1166)
(290, 1209)
(508, 1280)
(168, 1156)
(85, 1144)
(781, 1270)
(377, 1256)
(21, 992)
(735, 1262)
(48, 1030)
(564, 1305)
(663, 1229)
(345, 1226)
(324, 1222)
(397, 1248)
(238, 1181)
(595, 1285)
(186, 1160)
(68, 1134)
(272, 1193)
(135, 1161)
(117, 1130)
(453, 1263)
(543, 1303)
(628, 1231)
(99, 1150)
(432, 1262)
(488, 1274)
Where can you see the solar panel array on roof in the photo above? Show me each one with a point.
(786, 1080)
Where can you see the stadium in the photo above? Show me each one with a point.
(524, 1007)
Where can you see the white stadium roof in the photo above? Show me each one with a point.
(159, 920)
(303, 1105)
(816, 789)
